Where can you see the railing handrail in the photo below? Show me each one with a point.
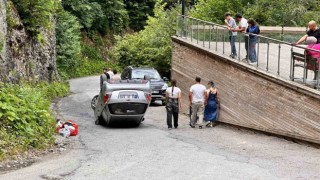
(265, 37)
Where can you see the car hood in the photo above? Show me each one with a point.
(156, 83)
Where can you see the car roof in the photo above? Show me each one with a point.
(142, 68)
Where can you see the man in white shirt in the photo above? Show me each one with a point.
(196, 102)
(242, 27)
(116, 76)
(110, 72)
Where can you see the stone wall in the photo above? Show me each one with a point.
(249, 97)
(22, 56)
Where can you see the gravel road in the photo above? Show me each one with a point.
(154, 152)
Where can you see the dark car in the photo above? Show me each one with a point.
(158, 84)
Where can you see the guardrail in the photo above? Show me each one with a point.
(272, 55)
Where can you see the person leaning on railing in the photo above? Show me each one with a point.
(231, 25)
(252, 30)
(242, 27)
(313, 31)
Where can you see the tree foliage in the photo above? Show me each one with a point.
(266, 12)
(86, 12)
(68, 41)
(36, 14)
(151, 46)
(138, 12)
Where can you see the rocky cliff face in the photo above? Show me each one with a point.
(22, 56)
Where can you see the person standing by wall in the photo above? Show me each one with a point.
(231, 25)
(242, 27)
(196, 101)
(173, 104)
(252, 30)
(212, 104)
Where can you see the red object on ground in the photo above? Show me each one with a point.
(76, 128)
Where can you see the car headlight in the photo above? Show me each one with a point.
(165, 86)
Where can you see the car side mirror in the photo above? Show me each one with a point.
(165, 79)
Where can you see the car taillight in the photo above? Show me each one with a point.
(148, 97)
(106, 98)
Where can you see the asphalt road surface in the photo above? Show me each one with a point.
(154, 152)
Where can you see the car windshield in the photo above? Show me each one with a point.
(140, 73)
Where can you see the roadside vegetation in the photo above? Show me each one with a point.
(25, 119)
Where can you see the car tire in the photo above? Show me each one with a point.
(163, 103)
(94, 102)
(137, 124)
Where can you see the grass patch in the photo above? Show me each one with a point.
(25, 118)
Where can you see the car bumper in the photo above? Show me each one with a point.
(158, 95)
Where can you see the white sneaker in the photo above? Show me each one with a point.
(252, 63)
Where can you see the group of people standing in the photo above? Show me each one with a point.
(111, 74)
(250, 27)
(203, 103)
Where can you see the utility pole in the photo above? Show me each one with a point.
(183, 31)
(183, 7)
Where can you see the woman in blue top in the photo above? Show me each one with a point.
(252, 29)
(212, 104)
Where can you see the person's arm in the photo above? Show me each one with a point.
(190, 98)
(217, 99)
(301, 40)
(167, 97)
(206, 97)
(179, 99)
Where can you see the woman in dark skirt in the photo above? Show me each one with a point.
(212, 104)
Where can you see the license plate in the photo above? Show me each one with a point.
(155, 92)
(126, 95)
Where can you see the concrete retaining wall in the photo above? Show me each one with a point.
(249, 98)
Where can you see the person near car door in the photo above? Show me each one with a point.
(173, 104)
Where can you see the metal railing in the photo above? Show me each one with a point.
(272, 55)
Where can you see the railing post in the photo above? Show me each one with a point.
(209, 36)
(268, 48)
(291, 64)
(191, 29)
(217, 34)
(318, 75)
(304, 67)
(239, 51)
(197, 31)
(258, 48)
(248, 47)
(204, 33)
(177, 34)
(279, 52)
(224, 39)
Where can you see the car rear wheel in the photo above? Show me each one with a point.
(94, 102)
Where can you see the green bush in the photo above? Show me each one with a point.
(25, 119)
(92, 67)
(151, 46)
